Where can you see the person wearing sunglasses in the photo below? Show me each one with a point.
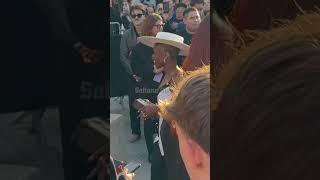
(128, 42)
(142, 66)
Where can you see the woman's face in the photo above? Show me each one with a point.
(125, 8)
(157, 27)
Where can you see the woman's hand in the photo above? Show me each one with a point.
(149, 111)
(126, 175)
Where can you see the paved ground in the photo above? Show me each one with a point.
(22, 156)
(120, 147)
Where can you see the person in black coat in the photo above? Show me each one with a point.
(142, 66)
(78, 29)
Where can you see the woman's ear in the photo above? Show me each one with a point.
(166, 58)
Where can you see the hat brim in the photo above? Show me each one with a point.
(151, 41)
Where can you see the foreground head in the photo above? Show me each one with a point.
(189, 112)
(266, 114)
(253, 14)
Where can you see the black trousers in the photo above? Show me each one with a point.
(149, 129)
(158, 165)
(68, 88)
(149, 125)
(135, 122)
(175, 166)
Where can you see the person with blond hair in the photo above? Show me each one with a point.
(189, 112)
(266, 106)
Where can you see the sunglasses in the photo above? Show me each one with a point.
(134, 16)
(159, 26)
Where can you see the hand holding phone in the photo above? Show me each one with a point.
(166, 7)
(131, 167)
(139, 103)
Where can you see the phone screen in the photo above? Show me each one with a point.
(166, 7)
(132, 167)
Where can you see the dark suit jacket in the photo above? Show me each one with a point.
(34, 31)
(174, 163)
(141, 61)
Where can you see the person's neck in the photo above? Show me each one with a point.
(201, 176)
(190, 32)
(202, 172)
(170, 68)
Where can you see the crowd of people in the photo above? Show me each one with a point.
(263, 84)
(154, 51)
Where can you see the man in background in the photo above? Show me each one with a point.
(128, 42)
(176, 22)
(199, 5)
(191, 19)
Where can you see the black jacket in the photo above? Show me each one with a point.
(186, 36)
(128, 42)
(141, 61)
(174, 163)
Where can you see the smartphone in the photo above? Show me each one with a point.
(139, 103)
(132, 167)
(166, 7)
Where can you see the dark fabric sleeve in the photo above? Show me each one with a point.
(167, 27)
(141, 62)
(134, 59)
(58, 19)
(173, 160)
(124, 53)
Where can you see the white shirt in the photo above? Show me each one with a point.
(163, 95)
